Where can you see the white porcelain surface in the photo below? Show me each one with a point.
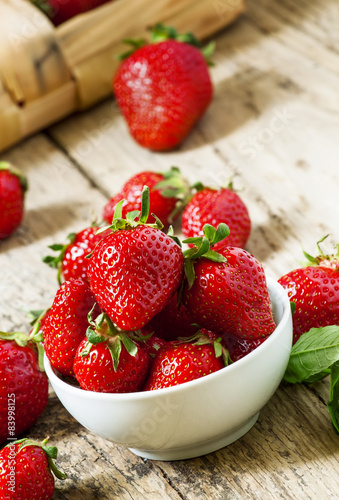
(194, 418)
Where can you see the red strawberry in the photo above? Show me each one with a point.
(153, 344)
(109, 360)
(168, 192)
(23, 387)
(182, 361)
(26, 470)
(226, 291)
(134, 271)
(212, 206)
(66, 324)
(163, 89)
(71, 261)
(238, 348)
(171, 322)
(13, 186)
(314, 291)
(60, 11)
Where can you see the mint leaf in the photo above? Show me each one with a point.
(314, 353)
(333, 404)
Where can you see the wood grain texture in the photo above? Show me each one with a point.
(273, 127)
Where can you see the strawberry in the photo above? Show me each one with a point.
(24, 384)
(213, 206)
(238, 348)
(66, 324)
(187, 359)
(135, 270)
(168, 192)
(110, 361)
(163, 88)
(313, 289)
(27, 470)
(171, 322)
(60, 11)
(226, 291)
(71, 261)
(13, 186)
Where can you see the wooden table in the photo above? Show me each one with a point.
(274, 127)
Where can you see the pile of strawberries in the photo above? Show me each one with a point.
(135, 311)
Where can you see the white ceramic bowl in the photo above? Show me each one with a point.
(197, 417)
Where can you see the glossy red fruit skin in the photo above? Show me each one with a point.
(23, 389)
(95, 371)
(11, 203)
(171, 322)
(74, 264)
(133, 273)
(131, 191)
(62, 10)
(238, 348)
(230, 297)
(66, 324)
(314, 290)
(33, 478)
(178, 363)
(210, 206)
(162, 90)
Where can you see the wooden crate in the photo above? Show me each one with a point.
(47, 73)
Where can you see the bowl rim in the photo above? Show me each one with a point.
(91, 395)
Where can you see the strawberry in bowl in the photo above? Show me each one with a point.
(191, 399)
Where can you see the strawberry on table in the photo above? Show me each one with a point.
(188, 359)
(168, 192)
(66, 323)
(13, 186)
(134, 271)
(23, 384)
(108, 360)
(314, 290)
(226, 291)
(213, 206)
(27, 470)
(163, 88)
(71, 261)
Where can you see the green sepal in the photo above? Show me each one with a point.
(115, 350)
(86, 349)
(4, 165)
(56, 261)
(51, 453)
(131, 221)
(19, 337)
(129, 344)
(171, 234)
(93, 337)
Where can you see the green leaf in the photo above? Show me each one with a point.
(333, 404)
(314, 352)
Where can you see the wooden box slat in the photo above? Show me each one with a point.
(46, 73)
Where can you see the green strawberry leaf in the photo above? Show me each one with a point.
(333, 404)
(314, 353)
